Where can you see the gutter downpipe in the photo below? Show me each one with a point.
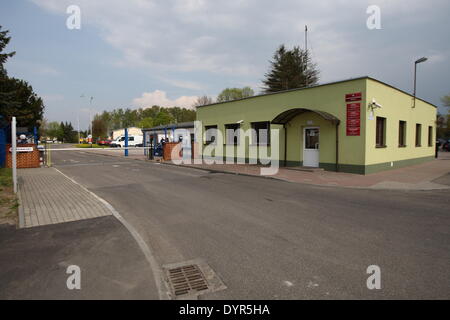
(337, 146)
(285, 145)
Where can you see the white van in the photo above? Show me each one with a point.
(133, 141)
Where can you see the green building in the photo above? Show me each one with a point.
(360, 125)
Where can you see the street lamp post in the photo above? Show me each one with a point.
(90, 117)
(423, 59)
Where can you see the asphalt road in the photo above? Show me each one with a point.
(34, 262)
(269, 239)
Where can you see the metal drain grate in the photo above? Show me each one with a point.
(187, 279)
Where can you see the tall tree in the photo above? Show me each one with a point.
(290, 69)
(25, 105)
(17, 97)
(146, 123)
(53, 130)
(163, 117)
(203, 101)
(443, 126)
(229, 94)
(99, 127)
(446, 100)
(7, 95)
(4, 40)
(120, 118)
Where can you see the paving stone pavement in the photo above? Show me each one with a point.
(48, 197)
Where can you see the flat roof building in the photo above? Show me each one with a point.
(167, 131)
(360, 125)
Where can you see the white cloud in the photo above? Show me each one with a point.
(229, 42)
(192, 85)
(159, 98)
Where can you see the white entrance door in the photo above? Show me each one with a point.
(311, 147)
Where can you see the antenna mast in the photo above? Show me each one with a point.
(306, 55)
(306, 39)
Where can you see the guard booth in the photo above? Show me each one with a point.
(160, 139)
(28, 154)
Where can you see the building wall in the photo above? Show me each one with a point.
(357, 154)
(329, 98)
(397, 106)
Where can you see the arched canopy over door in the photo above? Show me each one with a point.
(290, 114)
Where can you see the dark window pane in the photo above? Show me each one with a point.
(402, 134)
(261, 133)
(380, 132)
(232, 133)
(312, 138)
(430, 136)
(211, 133)
(418, 134)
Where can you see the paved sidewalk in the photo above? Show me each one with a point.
(426, 176)
(46, 196)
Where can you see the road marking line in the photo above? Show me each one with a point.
(158, 274)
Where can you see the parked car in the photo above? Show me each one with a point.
(104, 142)
(133, 141)
(446, 146)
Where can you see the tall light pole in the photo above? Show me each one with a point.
(78, 121)
(82, 96)
(423, 59)
(90, 118)
(90, 114)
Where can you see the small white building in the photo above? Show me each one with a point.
(167, 132)
(132, 131)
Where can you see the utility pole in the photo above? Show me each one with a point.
(415, 75)
(306, 55)
(78, 121)
(14, 153)
(306, 38)
(126, 142)
(90, 119)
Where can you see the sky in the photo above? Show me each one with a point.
(137, 53)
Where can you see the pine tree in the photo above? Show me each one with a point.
(4, 40)
(290, 69)
(7, 100)
(17, 97)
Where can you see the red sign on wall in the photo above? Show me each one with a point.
(353, 131)
(357, 96)
(353, 119)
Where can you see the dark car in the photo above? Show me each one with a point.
(446, 146)
(158, 150)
